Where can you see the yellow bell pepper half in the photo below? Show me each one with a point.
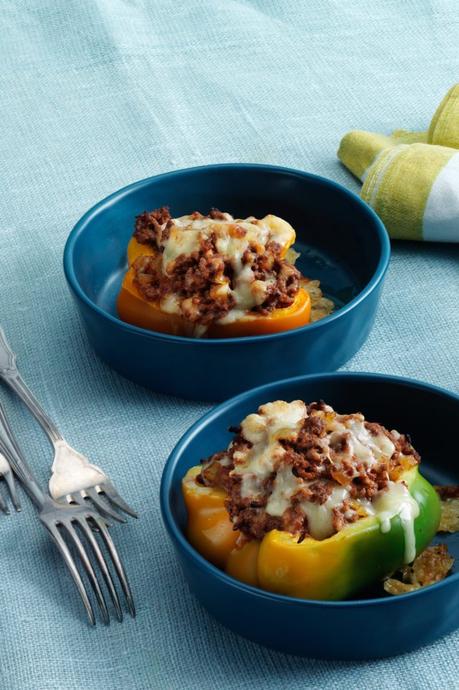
(335, 568)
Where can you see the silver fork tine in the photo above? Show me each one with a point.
(116, 562)
(3, 507)
(103, 567)
(109, 490)
(9, 479)
(68, 558)
(61, 520)
(79, 498)
(104, 506)
(76, 498)
(89, 570)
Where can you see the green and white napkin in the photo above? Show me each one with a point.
(411, 179)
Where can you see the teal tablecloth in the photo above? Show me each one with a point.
(96, 94)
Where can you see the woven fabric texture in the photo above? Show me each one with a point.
(98, 93)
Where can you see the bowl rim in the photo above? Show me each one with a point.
(183, 544)
(111, 199)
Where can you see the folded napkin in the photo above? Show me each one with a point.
(411, 179)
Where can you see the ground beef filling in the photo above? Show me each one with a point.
(202, 281)
(312, 461)
(151, 227)
(195, 280)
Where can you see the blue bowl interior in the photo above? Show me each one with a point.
(409, 407)
(337, 234)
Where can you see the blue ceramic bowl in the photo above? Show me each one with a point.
(342, 243)
(362, 628)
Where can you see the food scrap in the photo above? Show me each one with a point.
(431, 566)
(449, 496)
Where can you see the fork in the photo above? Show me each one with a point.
(73, 521)
(74, 479)
(7, 475)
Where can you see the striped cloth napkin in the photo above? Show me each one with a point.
(411, 179)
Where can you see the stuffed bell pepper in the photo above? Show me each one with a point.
(310, 503)
(215, 276)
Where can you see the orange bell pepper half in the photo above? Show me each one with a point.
(210, 530)
(135, 309)
(136, 249)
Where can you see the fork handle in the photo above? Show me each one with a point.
(12, 452)
(10, 374)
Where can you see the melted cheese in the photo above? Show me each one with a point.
(274, 421)
(285, 485)
(170, 304)
(232, 238)
(394, 501)
(320, 517)
(280, 420)
(361, 444)
(181, 241)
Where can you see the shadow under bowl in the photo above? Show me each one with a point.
(363, 628)
(342, 243)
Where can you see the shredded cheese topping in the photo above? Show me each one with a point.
(233, 238)
(217, 269)
(339, 450)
